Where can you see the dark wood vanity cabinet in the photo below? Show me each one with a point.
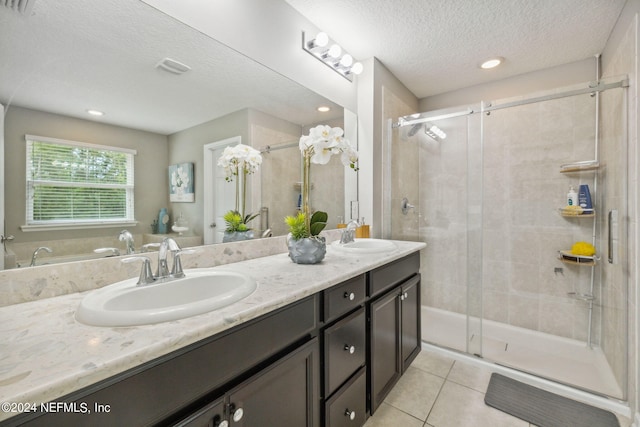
(394, 325)
(327, 360)
(176, 386)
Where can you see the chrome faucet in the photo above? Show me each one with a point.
(35, 254)
(125, 236)
(168, 245)
(163, 274)
(349, 233)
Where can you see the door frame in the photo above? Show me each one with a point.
(210, 164)
(3, 229)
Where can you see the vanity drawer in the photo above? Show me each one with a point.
(344, 350)
(387, 276)
(343, 298)
(347, 408)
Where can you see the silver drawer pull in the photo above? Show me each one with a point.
(350, 414)
(350, 295)
(350, 348)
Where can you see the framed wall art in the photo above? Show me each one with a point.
(181, 183)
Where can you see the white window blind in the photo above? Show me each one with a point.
(71, 183)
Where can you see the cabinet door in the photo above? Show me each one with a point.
(283, 394)
(385, 364)
(209, 416)
(411, 340)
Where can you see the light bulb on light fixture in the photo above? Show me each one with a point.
(324, 109)
(334, 51)
(321, 40)
(346, 60)
(491, 63)
(95, 113)
(357, 68)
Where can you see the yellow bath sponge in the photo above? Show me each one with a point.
(583, 248)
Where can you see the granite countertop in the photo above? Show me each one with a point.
(46, 353)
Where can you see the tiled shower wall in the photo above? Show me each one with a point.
(524, 283)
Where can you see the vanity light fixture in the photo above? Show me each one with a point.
(333, 56)
(95, 113)
(491, 62)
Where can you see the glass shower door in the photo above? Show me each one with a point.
(436, 196)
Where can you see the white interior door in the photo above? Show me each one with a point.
(219, 195)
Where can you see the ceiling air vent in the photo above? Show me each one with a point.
(173, 66)
(21, 6)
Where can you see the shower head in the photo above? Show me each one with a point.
(414, 129)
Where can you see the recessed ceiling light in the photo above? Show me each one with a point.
(324, 109)
(95, 112)
(491, 63)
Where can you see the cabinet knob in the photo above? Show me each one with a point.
(350, 295)
(350, 348)
(223, 423)
(350, 414)
(406, 295)
(237, 414)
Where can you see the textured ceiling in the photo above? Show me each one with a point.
(69, 56)
(73, 55)
(435, 46)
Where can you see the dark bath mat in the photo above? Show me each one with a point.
(542, 408)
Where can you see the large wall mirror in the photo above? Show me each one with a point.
(63, 59)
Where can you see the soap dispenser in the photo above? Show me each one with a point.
(572, 197)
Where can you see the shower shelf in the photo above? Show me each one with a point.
(586, 213)
(568, 258)
(582, 297)
(588, 165)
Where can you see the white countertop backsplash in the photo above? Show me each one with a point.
(45, 353)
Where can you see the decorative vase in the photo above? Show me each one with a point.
(237, 236)
(310, 250)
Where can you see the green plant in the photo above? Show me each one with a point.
(235, 221)
(298, 228)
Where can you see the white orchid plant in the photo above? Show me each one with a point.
(322, 142)
(238, 161)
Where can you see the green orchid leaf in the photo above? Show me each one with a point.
(318, 222)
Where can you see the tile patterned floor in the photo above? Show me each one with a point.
(440, 392)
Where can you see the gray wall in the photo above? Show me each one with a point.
(187, 146)
(151, 178)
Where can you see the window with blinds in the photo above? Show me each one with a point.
(71, 183)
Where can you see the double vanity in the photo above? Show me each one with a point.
(309, 345)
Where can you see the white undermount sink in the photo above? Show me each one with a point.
(202, 290)
(366, 246)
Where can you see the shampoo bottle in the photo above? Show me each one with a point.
(572, 197)
(584, 197)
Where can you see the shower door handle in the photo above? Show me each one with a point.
(612, 237)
